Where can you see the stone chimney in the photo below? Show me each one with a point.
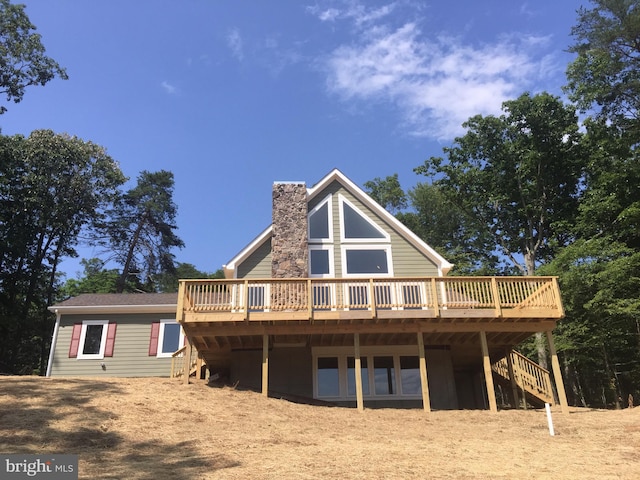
(289, 242)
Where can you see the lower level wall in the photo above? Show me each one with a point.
(291, 371)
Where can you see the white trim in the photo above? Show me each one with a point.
(443, 265)
(386, 238)
(231, 268)
(330, 253)
(54, 340)
(325, 201)
(163, 323)
(83, 336)
(343, 256)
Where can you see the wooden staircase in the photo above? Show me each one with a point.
(195, 364)
(529, 378)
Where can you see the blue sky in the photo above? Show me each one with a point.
(234, 95)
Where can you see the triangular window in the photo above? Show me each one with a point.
(319, 222)
(357, 226)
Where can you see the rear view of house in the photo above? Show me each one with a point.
(338, 301)
(335, 301)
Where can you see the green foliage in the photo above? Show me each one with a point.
(94, 280)
(52, 187)
(168, 282)
(387, 192)
(605, 76)
(22, 56)
(515, 177)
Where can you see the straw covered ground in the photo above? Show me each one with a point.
(160, 429)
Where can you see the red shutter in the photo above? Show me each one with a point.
(153, 342)
(75, 340)
(111, 339)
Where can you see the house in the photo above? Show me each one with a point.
(336, 301)
(115, 335)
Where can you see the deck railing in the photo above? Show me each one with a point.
(181, 364)
(340, 294)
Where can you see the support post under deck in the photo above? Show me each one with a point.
(424, 381)
(557, 374)
(265, 365)
(488, 374)
(358, 368)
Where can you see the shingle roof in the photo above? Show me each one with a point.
(111, 299)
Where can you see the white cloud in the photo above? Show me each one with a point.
(234, 42)
(437, 83)
(351, 10)
(168, 88)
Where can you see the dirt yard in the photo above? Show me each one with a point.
(156, 429)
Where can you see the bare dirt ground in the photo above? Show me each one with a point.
(160, 429)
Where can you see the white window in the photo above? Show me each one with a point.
(320, 222)
(367, 260)
(321, 261)
(93, 339)
(355, 226)
(170, 338)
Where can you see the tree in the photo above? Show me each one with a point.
(52, 186)
(517, 176)
(387, 192)
(605, 75)
(22, 56)
(140, 230)
(95, 279)
(451, 232)
(168, 282)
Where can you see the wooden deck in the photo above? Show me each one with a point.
(476, 317)
(221, 315)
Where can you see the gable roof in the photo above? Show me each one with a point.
(336, 175)
(118, 303)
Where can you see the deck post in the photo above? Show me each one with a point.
(265, 365)
(187, 361)
(424, 381)
(557, 374)
(488, 374)
(512, 378)
(358, 368)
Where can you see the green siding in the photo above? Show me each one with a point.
(258, 264)
(407, 260)
(131, 349)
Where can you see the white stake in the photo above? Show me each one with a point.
(549, 420)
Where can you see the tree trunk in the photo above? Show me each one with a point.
(132, 247)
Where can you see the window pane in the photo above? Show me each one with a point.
(410, 375)
(92, 340)
(366, 261)
(356, 226)
(328, 377)
(171, 338)
(351, 376)
(319, 222)
(384, 375)
(319, 262)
